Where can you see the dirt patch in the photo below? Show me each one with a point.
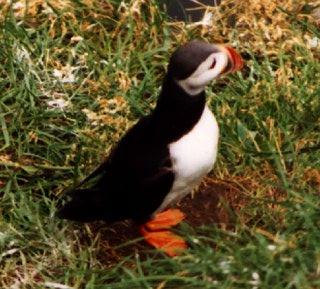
(211, 204)
(214, 203)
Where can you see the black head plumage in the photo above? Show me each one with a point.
(186, 59)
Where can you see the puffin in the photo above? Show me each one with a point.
(164, 156)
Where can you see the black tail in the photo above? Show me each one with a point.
(85, 206)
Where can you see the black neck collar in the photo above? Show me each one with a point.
(177, 112)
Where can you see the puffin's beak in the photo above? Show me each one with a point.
(235, 61)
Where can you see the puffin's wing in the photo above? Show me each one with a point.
(139, 177)
(141, 194)
(132, 183)
(119, 197)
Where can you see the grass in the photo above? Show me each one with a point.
(103, 62)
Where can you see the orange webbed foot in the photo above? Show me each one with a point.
(165, 220)
(156, 234)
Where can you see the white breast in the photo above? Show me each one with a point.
(193, 156)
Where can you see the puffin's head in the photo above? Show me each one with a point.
(196, 63)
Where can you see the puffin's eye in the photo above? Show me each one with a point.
(213, 63)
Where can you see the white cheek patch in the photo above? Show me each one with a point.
(204, 66)
(196, 82)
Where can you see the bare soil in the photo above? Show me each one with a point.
(214, 203)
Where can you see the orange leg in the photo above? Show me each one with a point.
(156, 234)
